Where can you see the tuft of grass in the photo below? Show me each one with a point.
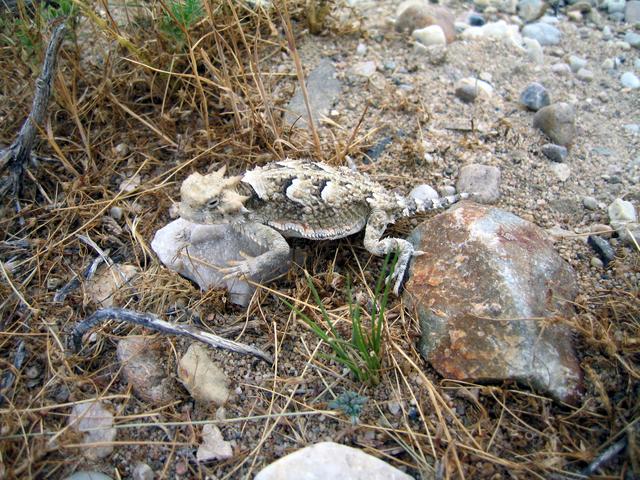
(362, 353)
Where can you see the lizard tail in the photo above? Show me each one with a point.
(418, 205)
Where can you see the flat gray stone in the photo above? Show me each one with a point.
(198, 252)
(544, 33)
(323, 89)
(481, 182)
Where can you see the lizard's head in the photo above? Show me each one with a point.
(211, 198)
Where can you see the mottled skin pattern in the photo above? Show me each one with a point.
(303, 199)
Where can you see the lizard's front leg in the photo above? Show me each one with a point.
(255, 238)
(376, 225)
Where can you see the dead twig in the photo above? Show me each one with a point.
(148, 320)
(15, 158)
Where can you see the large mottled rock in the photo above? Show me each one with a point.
(485, 293)
(199, 252)
(143, 367)
(328, 460)
(323, 89)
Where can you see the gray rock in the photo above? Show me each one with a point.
(199, 252)
(632, 12)
(481, 182)
(535, 96)
(468, 89)
(555, 153)
(328, 460)
(447, 190)
(596, 262)
(364, 69)
(323, 89)
(561, 69)
(531, 10)
(95, 422)
(632, 39)
(607, 34)
(205, 380)
(576, 63)
(629, 80)
(615, 6)
(584, 75)
(557, 121)
(88, 475)
(544, 33)
(487, 276)
(632, 128)
(590, 203)
(142, 471)
(143, 368)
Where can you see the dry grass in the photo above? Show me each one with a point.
(137, 102)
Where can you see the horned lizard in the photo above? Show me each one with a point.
(304, 199)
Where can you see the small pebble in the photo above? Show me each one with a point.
(535, 96)
(561, 69)
(361, 49)
(557, 121)
(476, 20)
(116, 213)
(596, 262)
(576, 63)
(555, 153)
(142, 471)
(606, 33)
(590, 203)
(629, 80)
(632, 39)
(468, 89)
(585, 75)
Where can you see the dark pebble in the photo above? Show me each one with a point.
(555, 153)
(602, 248)
(476, 20)
(535, 96)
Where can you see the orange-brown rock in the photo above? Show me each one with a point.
(490, 292)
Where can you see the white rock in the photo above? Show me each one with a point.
(328, 460)
(622, 211)
(499, 30)
(423, 192)
(629, 80)
(365, 69)
(468, 89)
(142, 471)
(128, 185)
(204, 379)
(213, 446)
(96, 423)
(431, 35)
(576, 63)
(561, 170)
(534, 50)
(199, 251)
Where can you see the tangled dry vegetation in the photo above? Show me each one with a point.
(136, 100)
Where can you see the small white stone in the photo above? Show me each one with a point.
(596, 262)
(534, 50)
(622, 211)
(361, 49)
(576, 63)
(213, 446)
(431, 35)
(629, 80)
(204, 379)
(96, 423)
(561, 170)
(423, 192)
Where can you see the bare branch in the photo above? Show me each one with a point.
(152, 322)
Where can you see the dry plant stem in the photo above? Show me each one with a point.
(605, 456)
(16, 157)
(286, 22)
(74, 283)
(148, 320)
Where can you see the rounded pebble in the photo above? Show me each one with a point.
(629, 80)
(535, 96)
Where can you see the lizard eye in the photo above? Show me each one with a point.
(212, 203)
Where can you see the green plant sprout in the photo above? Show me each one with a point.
(362, 354)
(350, 403)
(181, 17)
